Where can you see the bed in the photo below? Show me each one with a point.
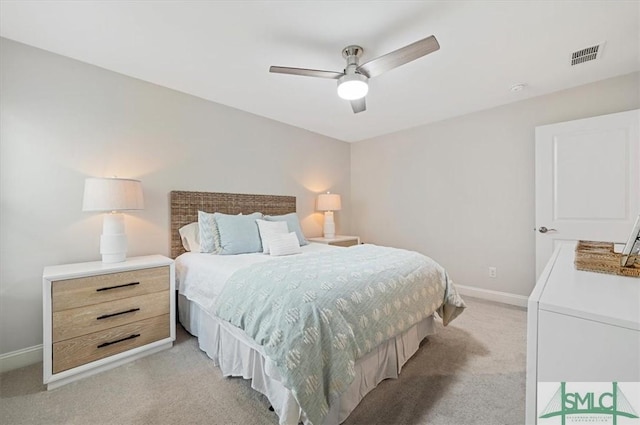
(348, 351)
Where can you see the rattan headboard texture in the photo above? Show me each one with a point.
(185, 206)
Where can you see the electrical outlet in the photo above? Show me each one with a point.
(493, 272)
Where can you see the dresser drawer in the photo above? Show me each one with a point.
(73, 293)
(97, 317)
(351, 242)
(84, 349)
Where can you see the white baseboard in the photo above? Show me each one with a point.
(20, 358)
(487, 294)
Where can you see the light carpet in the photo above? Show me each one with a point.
(470, 372)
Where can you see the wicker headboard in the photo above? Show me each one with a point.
(185, 205)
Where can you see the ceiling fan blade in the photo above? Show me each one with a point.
(359, 105)
(399, 57)
(306, 72)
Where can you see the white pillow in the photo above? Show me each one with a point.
(269, 229)
(284, 244)
(190, 235)
(292, 222)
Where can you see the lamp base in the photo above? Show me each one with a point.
(329, 225)
(114, 258)
(113, 242)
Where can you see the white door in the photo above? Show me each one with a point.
(587, 181)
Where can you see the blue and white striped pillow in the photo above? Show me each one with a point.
(209, 236)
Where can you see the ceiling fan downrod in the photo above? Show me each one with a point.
(352, 85)
(352, 55)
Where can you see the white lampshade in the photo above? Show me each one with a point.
(329, 202)
(112, 194)
(352, 86)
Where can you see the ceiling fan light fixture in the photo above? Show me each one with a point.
(353, 82)
(353, 86)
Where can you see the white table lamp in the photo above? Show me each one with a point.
(329, 202)
(112, 195)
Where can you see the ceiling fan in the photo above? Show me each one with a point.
(353, 82)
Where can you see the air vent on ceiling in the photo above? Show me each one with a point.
(587, 54)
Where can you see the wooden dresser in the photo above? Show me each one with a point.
(581, 327)
(98, 316)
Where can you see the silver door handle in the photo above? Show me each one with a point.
(543, 229)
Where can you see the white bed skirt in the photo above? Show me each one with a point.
(238, 355)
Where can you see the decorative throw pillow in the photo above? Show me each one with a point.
(238, 233)
(268, 229)
(208, 232)
(292, 223)
(284, 244)
(190, 235)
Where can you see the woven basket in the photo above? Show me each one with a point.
(599, 257)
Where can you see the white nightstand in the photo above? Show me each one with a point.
(98, 316)
(339, 240)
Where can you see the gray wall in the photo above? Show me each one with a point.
(63, 120)
(462, 190)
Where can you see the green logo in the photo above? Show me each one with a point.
(612, 403)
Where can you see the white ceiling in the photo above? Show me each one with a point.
(222, 50)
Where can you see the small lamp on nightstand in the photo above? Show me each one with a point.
(112, 195)
(329, 202)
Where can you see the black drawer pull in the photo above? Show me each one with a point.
(106, 288)
(118, 340)
(106, 316)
